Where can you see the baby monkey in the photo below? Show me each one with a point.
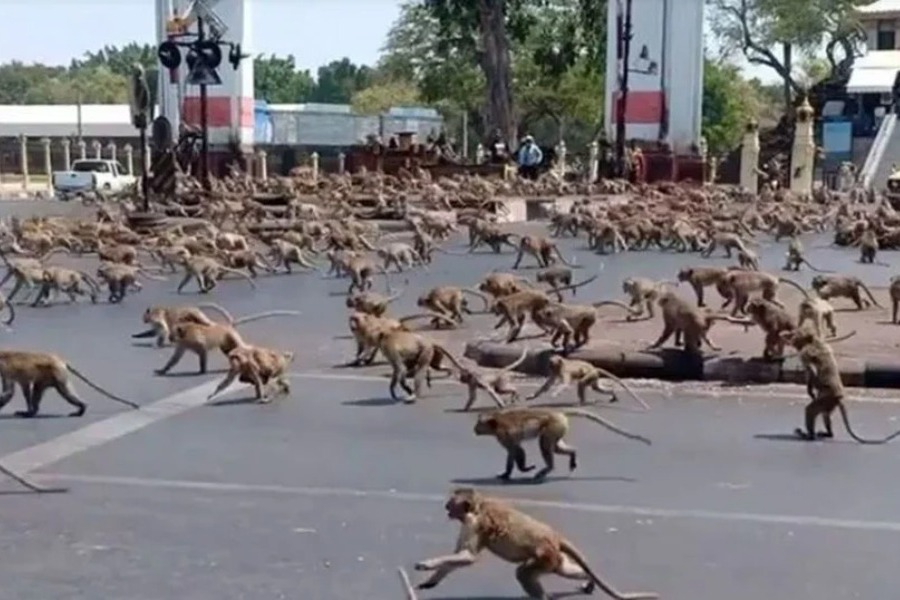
(514, 426)
(563, 371)
(260, 367)
(496, 385)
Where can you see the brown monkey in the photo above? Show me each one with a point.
(741, 284)
(163, 318)
(370, 302)
(361, 270)
(503, 284)
(34, 372)
(688, 323)
(511, 427)
(556, 277)
(773, 320)
(117, 253)
(490, 523)
(207, 271)
(894, 291)
(728, 242)
(200, 339)
(514, 308)
(824, 386)
(843, 286)
(251, 260)
(284, 254)
(571, 322)
(868, 246)
(701, 277)
(72, 282)
(643, 293)
(450, 301)
(411, 355)
(563, 371)
(367, 330)
(820, 312)
(748, 259)
(795, 257)
(497, 385)
(260, 367)
(120, 278)
(399, 254)
(544, 250)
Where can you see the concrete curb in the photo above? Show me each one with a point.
(670, 364)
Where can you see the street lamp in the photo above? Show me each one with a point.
(624, 34)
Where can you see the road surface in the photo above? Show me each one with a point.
(323, 494)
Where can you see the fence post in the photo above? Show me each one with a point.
(48, 163)
(129, 158)
(263, 166)
(594, 162)
(342, 162)
(23, 148)
(98, 149)
(82, 149)
(314, 158)
(111, 147)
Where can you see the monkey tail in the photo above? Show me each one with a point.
(150, 275)
(479, 294)
(51, 252)
(10, 308)
(407, 585)
(366, 243)
(428, 314)
(242, 274)
(602, 303)
(869, 294)
(569, 549)
(841, 338)
(846, 419)
(31, 486)
(795, 285)
(264, 315)
(816, 269)
(563, 259)
(449, 356)
(393, 297)
(575, 286)
(219, 309)
(517, 362)
(586, 414)
(625, 386)
(97, 388)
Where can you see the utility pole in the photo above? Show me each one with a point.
(623, 51)
(204, 120)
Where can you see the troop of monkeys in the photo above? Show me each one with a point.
(209, 252)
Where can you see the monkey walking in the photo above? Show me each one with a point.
(497, 385)
(163, 318)
(563, 371)
(512, 427)
(538, 549)
(260, 367)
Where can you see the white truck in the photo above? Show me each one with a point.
(90, 175)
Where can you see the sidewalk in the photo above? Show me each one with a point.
(868, 359)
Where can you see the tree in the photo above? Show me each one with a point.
(727, 106)
(337, 81)
(277, 80)
(379, 97)
(118, 60)
(758, 27)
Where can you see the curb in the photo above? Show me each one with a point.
(669, 364)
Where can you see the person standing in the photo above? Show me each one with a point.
(529, 158)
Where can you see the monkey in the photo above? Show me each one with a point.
(701, 277)
(555, 277)
(338, 260)
(503, 284)
(400, 255)
(494, 238)
(824, 387)
(207, 271)
(120, 278)
(542, 249)
(563, 371)
(894, 292)
(450, 301)
(370, 302)
(868, 246)
(514, 308)
(843, 286)
(689, 324)
(490, 523)
(643, 293)
(283, 254)
(34, 372)
(571, 322)
(820, 312)
(496, 386)
(367, 329)
(513, 426)
(200, 339)
(7, 305)
(27, 275)
(773, 320)
(70, 281)
(728, 241)
(170, 256)
(795, 257)
(361, 270)
(117, 253)
(163, 318)
(247, 259)
(741, 284)
(748, 259)
(258, 366)
(411, 355)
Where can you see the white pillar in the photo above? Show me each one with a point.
(594, 161)
(263, 166)
(129, 158)
(23, 149)
(82, 149)
(342, 163)
(111, 148)
(803, 153)
(750, 158)
(98, 149)
(479, 154)
(561, 157)
(48, 163)
(314, 159)
(67, 154)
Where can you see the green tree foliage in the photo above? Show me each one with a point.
(380, 97)
(728, 103)
(337, 81)
(779, 33)
(277, 80)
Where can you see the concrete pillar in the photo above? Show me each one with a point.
(750, 158)
(314, 159)
(803, 154)
(67, 154)
(146, 158)
(263, 166)
(129, 158)
(98, 149)
(561, 157)
(82, 149)
(111, 148)
(48, 163)
(23, 150)
(479, 154)
(250, 164)
(342, 163)
(593, 161)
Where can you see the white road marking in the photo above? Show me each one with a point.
(636, 511)
(107, 430)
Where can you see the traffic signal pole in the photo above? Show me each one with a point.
(204, 121)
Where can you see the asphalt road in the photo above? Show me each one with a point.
(325, 493)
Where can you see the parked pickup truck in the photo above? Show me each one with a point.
(89, 175)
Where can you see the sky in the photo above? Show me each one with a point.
(314, 31)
